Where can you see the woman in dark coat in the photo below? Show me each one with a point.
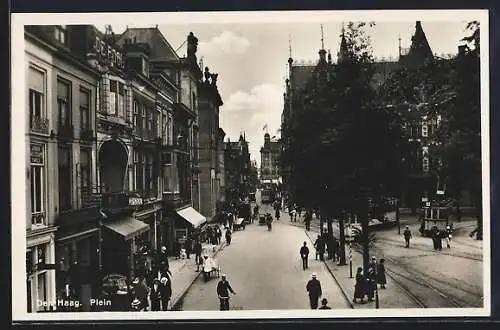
(155, 295)
(359, 287)
(381, 279)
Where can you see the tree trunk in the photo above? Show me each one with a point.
(321, 222)
(342, 241)
(329, 225)
(363, 218)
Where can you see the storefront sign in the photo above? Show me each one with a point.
(36, 154)
(132, 201)
(108, 54)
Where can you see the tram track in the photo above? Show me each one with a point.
(420, 247)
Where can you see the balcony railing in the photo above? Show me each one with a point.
(39, 125)
(65, 131)
(38, 218)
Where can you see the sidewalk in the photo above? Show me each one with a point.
(391, 297)
(184, 272)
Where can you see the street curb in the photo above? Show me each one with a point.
(183, 293)
(342, 289)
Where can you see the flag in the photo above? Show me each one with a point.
(265, 127)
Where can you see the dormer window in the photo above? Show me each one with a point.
(61, 34)
(145, 67)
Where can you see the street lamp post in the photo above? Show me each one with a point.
(350, 248)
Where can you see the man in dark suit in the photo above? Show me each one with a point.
(304, 255)
(313, 287)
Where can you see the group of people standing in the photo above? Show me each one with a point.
(329, 244)
(367, 282)
(152, 287)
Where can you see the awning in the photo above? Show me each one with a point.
(128, 227)
(192, 216)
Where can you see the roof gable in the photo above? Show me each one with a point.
(160, 47)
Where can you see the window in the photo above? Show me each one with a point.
(164, 130)
(149, 175)
(117, 98)
(425, 130)
(64, 171)
(61, 34)
(85, 170)
(63, 103)
(36, 81)
(170, 130)
(425, 164)
(136, 114)
(139, 173)
(145, 67)
(143, 117)
(113, 96)
(84, 110)
(37, 169)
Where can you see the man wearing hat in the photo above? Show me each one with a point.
(304, 255)
(165, 291)
(407, 236)
(324, 304)
(313, 287)
(163, 256)
(223, 289)
(448, 236)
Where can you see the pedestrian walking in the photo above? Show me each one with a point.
(165, 291)
(381, 278)
(197, 251)
(324, 304)
(189, 247)
(448, 236)
(313, 287)
(436, 239)
(359, 287)
(371, 283)
(322, 247)
(223, 289)
(277, 213)
(228, 236)
(141, 291)
(307, 220)
(304, 255)
(316, 246)
(177, 249)
(155, 296)
(407, 236)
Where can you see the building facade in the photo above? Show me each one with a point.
(209, 103)
(237, 168)
(270, 161)
(420, 175)
(61, 96)
(179, 151)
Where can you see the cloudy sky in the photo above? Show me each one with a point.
(251, 58)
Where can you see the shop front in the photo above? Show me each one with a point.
(187, 221)
(78, 256)
(122, 237)
(40, 271)
(152, 215)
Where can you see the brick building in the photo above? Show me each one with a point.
(270, 163)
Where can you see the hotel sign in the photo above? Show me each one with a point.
(36, 154)
(107, 54)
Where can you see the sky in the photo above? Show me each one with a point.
(251, 59)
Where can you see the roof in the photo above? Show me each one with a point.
(160, 47)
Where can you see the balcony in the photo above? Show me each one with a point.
(38, 219)
(86, 134)
(39, 125)
(65, 131)
(174, 201)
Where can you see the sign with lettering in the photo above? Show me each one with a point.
(36, 154)
(135, 201)
(108, 54)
